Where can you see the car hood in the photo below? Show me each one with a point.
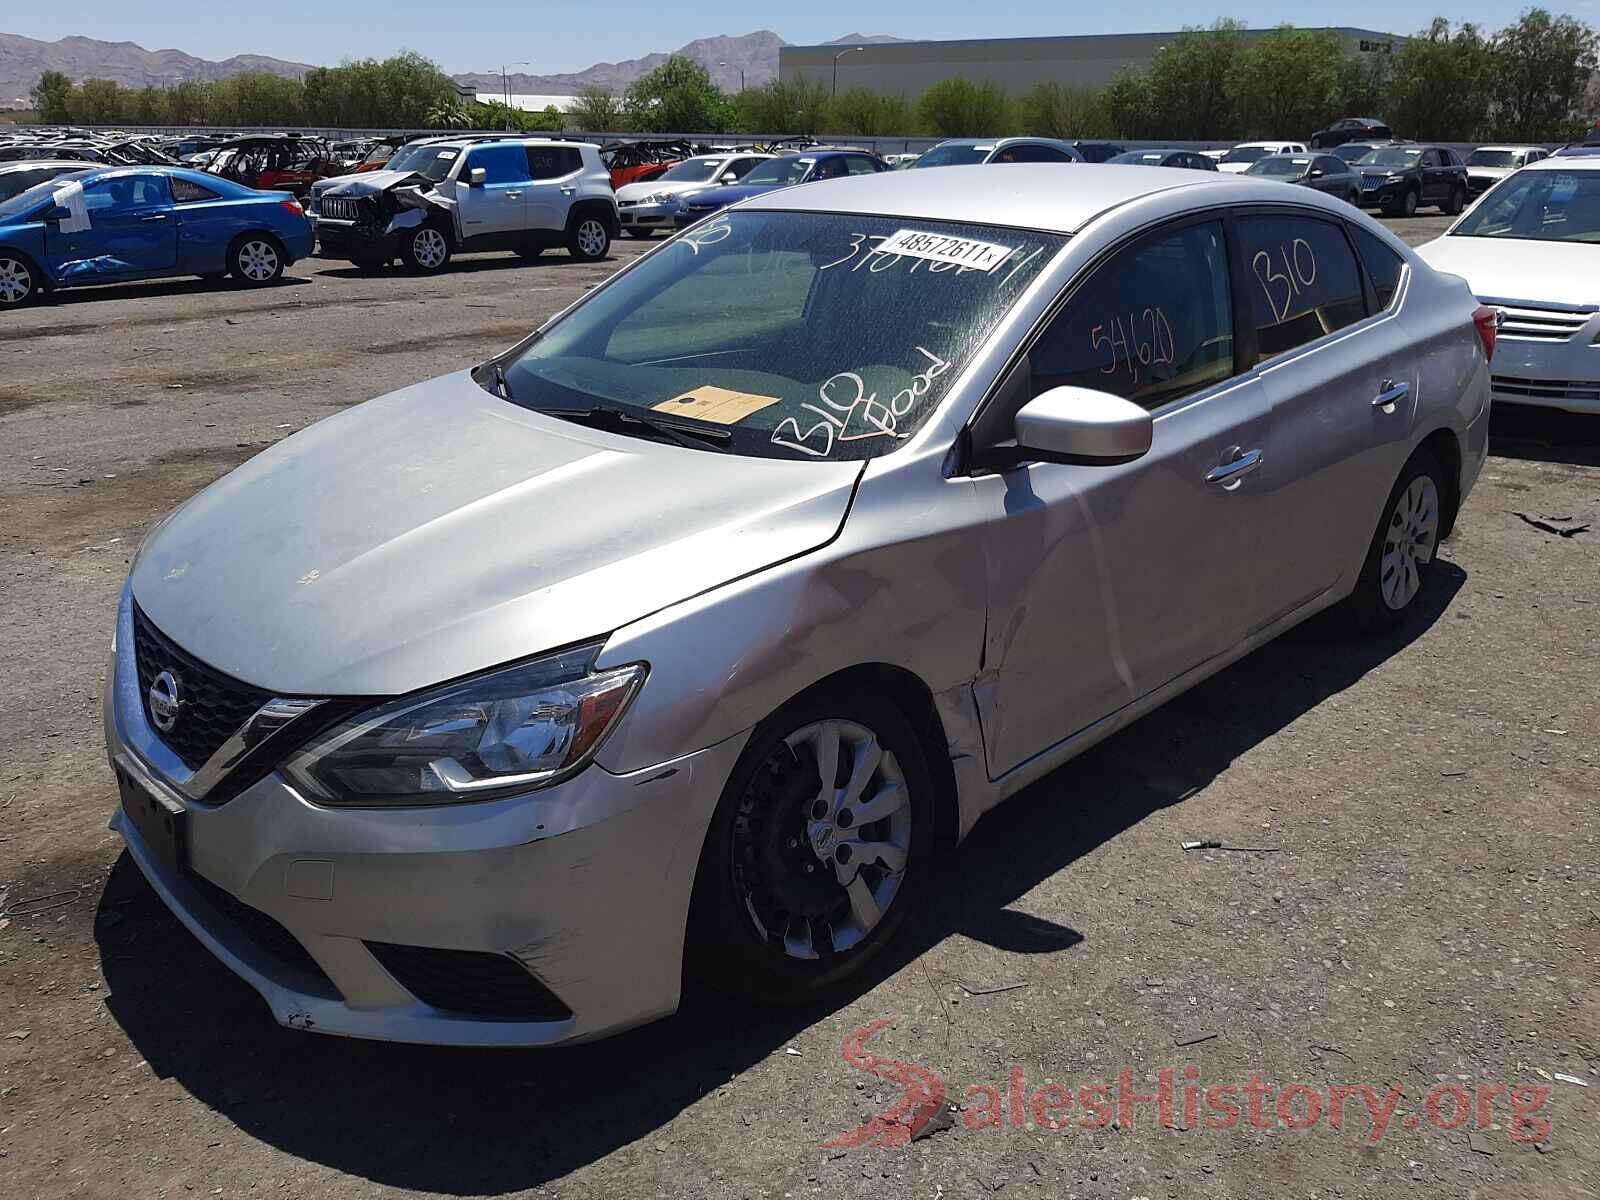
(439, 530)
(732, 193)
(638, 191)
(368, 183)
(1515, 269)
(1491, 172)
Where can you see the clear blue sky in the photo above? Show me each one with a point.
(569, 35)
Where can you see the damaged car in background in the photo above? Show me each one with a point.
(444, 196)
(120, 224)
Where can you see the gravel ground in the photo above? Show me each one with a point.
(1423, 914)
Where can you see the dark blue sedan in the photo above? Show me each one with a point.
(112, 225)
(783, 171)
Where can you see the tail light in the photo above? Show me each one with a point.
(1486, 321)
(293, 206)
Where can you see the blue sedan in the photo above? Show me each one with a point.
(783, 171)
(112, 225)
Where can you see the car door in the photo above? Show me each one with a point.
(555, 172)
(1434, 177)
(1109, 581)
(128, 231)
(496, 209)
(1324, 363)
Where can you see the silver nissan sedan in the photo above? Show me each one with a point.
(683, 634)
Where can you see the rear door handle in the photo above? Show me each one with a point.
(513, 195)
(1392, 393)
(1237, 469)
(569, 191)
(154, 217)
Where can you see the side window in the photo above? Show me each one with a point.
(859, 164)
(1430, 158)
(1382, 264)
(123, 192)
(501, 164)
(552, 162)
(739, 167)
(1303, 282)
(185, 191)
(1154, 324)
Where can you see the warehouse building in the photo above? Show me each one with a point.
(1016, 64)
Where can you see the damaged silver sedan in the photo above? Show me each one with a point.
(687, 631)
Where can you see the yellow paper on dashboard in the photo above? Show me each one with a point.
(717, 405)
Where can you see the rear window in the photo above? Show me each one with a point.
(552, 162)
(1382, 263)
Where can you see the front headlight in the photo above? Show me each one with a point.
(658, 198)
(514, 729)
(1394, 179)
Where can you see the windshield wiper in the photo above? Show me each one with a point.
(622, 421)
(500, 384)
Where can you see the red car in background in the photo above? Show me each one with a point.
(639, 162)
(282, 163)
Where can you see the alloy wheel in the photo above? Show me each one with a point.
(592, 239)
(428, 245)
(1409, 542)
(821, 839)
(16, 281)
(258, 260)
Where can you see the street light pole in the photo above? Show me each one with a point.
(836, 59)
(739, 69)
(505, 86)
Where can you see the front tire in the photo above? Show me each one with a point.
(588, 240)
(818, 848)
(256, 260)
(19, 282)
(1401, 556)
(1408, 206)
(426, 250)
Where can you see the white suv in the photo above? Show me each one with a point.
(442, 195)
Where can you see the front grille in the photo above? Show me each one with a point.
(471, 982)
(1534, 323)
(342, 208)
(1513, 388)
(271, 938)
(214, 705)
(1369, 182)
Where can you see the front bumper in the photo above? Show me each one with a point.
(585, 885)
(352, 241)
(647, 216)
(1548, 359)
(1383, 194)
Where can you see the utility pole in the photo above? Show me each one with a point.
(739, 69)
(505, 86)
(836, 59)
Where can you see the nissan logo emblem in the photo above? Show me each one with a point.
(165, 703)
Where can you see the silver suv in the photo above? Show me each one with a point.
(439, 196)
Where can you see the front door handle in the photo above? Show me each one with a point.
(154, 217)
(1236, 469)
(513, 195)
(1392, 393)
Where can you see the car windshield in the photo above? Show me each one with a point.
(31, 198)
(433, 162)
(780, 170)
(954, 156)
(1245, 154)
(792, 333)
(1280, 164)
(1541, 206)
(691, 170)
(1494, 158)
(1391, 156)
(381, 153)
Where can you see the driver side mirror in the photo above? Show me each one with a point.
(1080, 425)
(477, 176)
(729, 177)
(1316, 173)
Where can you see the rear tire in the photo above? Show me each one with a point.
(1401, 556)
(1457, 201)
(588, 239)
(256, 260)
(19, 281)
(425, 250)
(791, 901)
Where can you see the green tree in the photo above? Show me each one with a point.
(1127, 100)
(866, 113)
(1288, 82)
(677, 97)
(97, 102)
(1443, 84)
(52, 98)
(1543, 65)
(1059, 111)
(960, 108)
(783, 106)
(597, 110)
(1190, 97)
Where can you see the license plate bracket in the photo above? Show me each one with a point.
(162, 826)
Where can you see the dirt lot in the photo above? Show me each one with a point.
(1426, 917)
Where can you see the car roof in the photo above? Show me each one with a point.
(1508, 146)
(33, 164)
(1003, 141)
(1271, 142)
(1055, 197)
(1576, 162)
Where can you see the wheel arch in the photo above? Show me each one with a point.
(600, 209)
(1444, 445)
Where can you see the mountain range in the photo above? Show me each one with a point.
(23, 60)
